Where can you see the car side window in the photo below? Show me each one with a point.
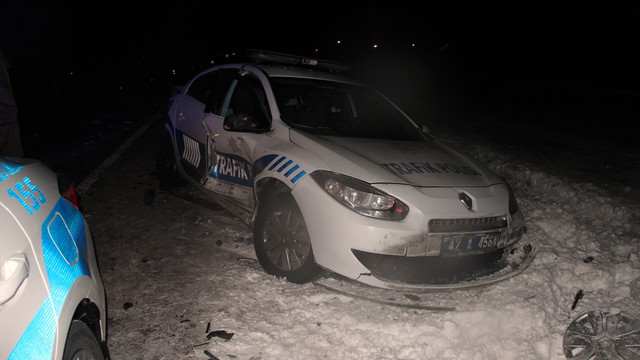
(247, 96)
(211, 88)
(202, 88)
(224, 81)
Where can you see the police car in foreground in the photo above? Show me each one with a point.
(332, 175)
(52, 301)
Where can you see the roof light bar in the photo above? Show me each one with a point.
(289, 59)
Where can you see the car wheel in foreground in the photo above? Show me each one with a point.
(282, 241)
(81, 343)
(613, 334)
(166, 167)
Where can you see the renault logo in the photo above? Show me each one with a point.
(466, 201)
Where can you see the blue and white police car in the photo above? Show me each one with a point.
(334, 176)
(52, 300)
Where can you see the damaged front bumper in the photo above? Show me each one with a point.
(433, 273)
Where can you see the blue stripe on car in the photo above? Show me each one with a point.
(289, 162)
(298, 176)
(272, 161)
(37, 340)
(64, 250)
(277, 162)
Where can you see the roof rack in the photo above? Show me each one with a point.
(264, 56)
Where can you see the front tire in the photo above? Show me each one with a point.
(282, 242)
(81, 344)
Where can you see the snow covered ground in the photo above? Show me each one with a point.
(182, 281)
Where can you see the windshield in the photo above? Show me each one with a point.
(338, 109)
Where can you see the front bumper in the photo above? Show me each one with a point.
(432, 273)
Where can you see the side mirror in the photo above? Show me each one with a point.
(241, 122)
(427, 132)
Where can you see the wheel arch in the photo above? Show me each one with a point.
(88, 312)
(265, 188)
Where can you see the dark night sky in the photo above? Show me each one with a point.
(592, 39)
(96, 48)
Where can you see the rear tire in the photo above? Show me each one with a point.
(166, 166)
(81, 344)
(282, 242)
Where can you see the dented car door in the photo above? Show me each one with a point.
(230, 149)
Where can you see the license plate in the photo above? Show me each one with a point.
(469, 244)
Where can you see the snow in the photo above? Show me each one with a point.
(176, 268)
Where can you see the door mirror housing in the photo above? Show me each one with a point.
(242, 122)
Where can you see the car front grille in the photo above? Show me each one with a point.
(432, 270)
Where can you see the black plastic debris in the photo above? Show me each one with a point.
(221, 334)
(577, 298)
(127, 305)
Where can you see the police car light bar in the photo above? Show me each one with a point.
(289, 59)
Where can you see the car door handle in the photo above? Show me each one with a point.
(13, 272)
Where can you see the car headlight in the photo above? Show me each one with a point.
(360, 196)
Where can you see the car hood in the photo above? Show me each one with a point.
(401, 162)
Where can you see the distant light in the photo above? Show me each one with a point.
(339, 42)
(413, 45)
(375, 46)
(316, 50)
(71, 73)
(173, 72)
(211, 62)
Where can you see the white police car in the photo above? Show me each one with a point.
(52, 301)
(332, 175)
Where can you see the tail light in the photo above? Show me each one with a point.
(67, 189)
(71, 195)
